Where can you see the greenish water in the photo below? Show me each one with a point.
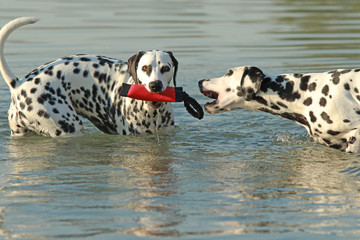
(236, 175)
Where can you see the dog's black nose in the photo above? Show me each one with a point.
(200, 83)
(156, 86)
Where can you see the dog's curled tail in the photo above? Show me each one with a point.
(5, 31)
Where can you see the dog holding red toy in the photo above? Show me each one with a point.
(50, 99)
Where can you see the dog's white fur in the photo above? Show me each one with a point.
(327, 104)
(49, 99)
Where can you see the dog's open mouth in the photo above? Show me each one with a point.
(210, 94)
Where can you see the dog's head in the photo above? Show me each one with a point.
(154, 69)
(231, 91)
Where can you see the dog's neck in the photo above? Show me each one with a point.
(139, 116)
(282, 96)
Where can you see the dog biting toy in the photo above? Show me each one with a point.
(171, 94)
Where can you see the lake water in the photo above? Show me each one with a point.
(236, 175)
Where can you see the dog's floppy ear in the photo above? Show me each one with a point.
(176, 64)
(133, 64)
(251, 82)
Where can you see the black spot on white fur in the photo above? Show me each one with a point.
(96, 99)
(326, 104)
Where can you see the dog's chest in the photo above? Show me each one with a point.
(140, 117)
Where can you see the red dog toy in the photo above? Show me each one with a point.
(138, 91)
(171, 94)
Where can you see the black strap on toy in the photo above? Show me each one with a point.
(178, 95)
(192, 106)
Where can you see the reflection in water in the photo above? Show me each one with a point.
(138, 186)
(150, 174)
(304, 186)
(140, 168)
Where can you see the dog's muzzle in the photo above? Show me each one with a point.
(156, 86)
(200, 83)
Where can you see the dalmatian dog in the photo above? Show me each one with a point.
(49, 100)
(327, 104)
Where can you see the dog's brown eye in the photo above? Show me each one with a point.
(165, 69)
(145, 68)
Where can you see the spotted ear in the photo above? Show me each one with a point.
(133, 64)
(175, 63)
(251, 82)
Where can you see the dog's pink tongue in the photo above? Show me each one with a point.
(210, 94)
